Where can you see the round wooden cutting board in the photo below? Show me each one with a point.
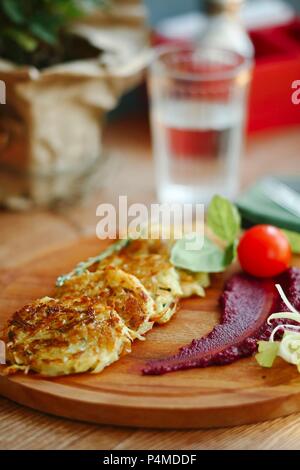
(217, 396)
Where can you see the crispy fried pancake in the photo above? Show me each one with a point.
(148, 260)
(59, 337)
(118, 290)
(156, 274)
(192, 283)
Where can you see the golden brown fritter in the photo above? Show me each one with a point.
(118, 290)
(97, 314)
(192, 283)
(149, 261)
(156, 274)
(58, 337)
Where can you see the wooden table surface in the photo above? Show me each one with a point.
(26, 235)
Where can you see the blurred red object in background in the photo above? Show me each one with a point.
(277, 66)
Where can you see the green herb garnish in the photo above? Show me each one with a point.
(84, 265)
(294, 240)
(288, 348)
(223, 220)
(209, 259)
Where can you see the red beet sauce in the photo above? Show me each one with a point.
(246, 303)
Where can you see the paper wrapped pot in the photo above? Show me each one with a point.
(51, 124)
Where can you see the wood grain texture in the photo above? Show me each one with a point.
(215, 396)
(26, 235)
(23, 428)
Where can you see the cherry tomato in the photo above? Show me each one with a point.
(264, 251)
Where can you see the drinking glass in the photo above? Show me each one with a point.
(198, 107)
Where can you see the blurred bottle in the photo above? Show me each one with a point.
(224, 29)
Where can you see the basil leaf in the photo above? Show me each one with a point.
(224, 219)
(209, 259)
(13, 10)
(294, 240)
(231, 253)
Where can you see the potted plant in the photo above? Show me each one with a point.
(64, 64)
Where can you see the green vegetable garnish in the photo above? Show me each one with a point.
(294, 240)
(84, 265)
(223, 219)
(289, 346)
(209, 259)
(267, 352)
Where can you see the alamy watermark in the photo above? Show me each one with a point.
(157, 221)
(2, 92)
(296, 93)
(2, 353)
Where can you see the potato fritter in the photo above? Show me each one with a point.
(148, 260)
(59, 337)
(96, 315)
(156, 274)
(192, 283)
(118, 290)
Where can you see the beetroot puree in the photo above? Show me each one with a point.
(246, 304)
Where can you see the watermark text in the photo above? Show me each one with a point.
(2, 353)
(296, 93)
(2, 92)
(157, 221)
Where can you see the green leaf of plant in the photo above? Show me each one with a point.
(224, 219)
(231, 252)
(45, 27)
(26, 25)
(13, 10)
(267, 352)
(24, 40)
(68, 10)
(294, 240)
(208, 259)
(45, 35)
